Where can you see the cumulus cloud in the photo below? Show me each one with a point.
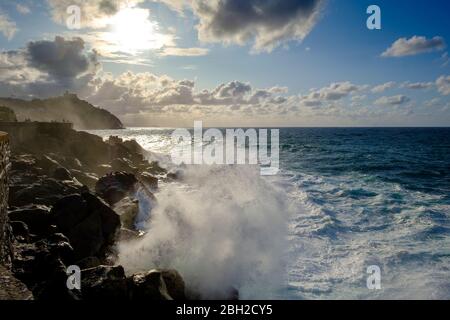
(266, 23)
(62, 59)
(392, 100)
(7, 27)
(443, 85)
(383, 87)
(46, 68)
(413, 46)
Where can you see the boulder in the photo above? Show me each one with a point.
(62, 174)
(104, 283)
(45, 191)
(89, 223)
(35, 263)
(36, 217)
(87, 179)
(88, 263)
(148, 286)
(20, 231)
(115, 186)
(149, 180)
(123, 164)
(174, 284)
(128, 235)
(128, 210)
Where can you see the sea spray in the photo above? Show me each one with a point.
(222, 226)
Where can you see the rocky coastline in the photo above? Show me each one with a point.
(72, 198)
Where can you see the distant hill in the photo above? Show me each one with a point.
(67, 108)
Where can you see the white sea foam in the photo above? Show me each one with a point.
(224, 226)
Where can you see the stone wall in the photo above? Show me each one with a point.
(4, 226)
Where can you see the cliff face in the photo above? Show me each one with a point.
(69, 108)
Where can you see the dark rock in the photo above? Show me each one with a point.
(174, 284)
(35, 263)
(148, 286)
(114, 187)
(89, 223)
(36, 217)
(128, 210)
(88, 179)
(104, 283)
(123, 164)
(149, 180)
(23, 163)
(48, 164)
(20, 231)
(44, 192)
(62, 174)
(128, 235)
(88, 263)
(104, 169)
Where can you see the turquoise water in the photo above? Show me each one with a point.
(357, 197)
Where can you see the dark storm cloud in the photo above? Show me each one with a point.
(62, 59)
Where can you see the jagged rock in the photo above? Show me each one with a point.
(20, 231)
(148, 286)
(44, 192)
(123, 164)
(62, 174)
(128, 210)
(114, 187)
(128, 235)
(174, 283)
(89, 223)
(88, 179)
(104, 169)
(48, 164)
(23, 163)
(149, 180)
(104, 283)
(36, 217)
(35, 263)
(88, 263)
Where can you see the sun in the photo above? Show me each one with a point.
(132, 31)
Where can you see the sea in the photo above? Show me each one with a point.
(354, 213)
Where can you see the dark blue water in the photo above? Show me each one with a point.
(371, 197)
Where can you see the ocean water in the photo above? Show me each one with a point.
(344, 200)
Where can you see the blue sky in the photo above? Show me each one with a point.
(322, 67)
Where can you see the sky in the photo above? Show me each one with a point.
(269, 63)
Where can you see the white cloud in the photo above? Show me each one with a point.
(7, 27)
(443, 85)
(413, 46)
(392, 100)
(383, 87)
